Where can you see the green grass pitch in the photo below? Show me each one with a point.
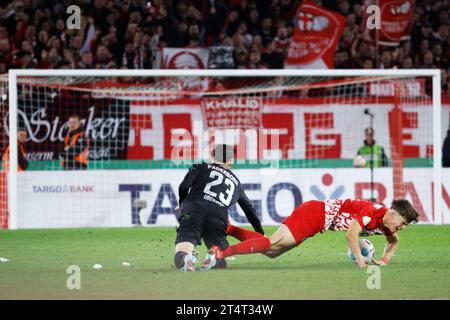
(318, 269)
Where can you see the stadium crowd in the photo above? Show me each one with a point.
(128, 34)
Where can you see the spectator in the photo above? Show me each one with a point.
(5, 11)
(86, 61)
(423, 49)
(256, 42)
(342, 60)
(253, 24)
(386, 61)
(371, 151)
(255, 59)
(407, 63)
(76, 146)
(445, 79)
(272, 58)
(41, 43)
(241, 58)
(267, 31)
(440, 60)
(22, 163)
(426, 31)
(183, 34)
(102, 58)
(232, 23)
(64, 64)
(443, 32)
(193, 31)
(128, 34)
(242, 32)
(281, 41)
(367, 64)
(351, 24)
(344, 7)
(428, 61)
(5, 52)
(446, 151)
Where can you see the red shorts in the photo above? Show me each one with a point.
(306, 220)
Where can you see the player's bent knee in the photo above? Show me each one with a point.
(279, 245)
(178, 259)
(181, 250)
(185, 247)
(272, 254)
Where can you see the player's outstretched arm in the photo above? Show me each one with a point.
(250, 212)
(352, 236)
(391, 246)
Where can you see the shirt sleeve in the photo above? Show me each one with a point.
(187, 182)
(250, 212)
(364, 216)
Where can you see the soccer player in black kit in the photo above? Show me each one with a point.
(206, 193)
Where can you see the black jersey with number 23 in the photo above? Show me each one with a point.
(213, 188)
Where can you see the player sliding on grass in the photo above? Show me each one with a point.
(312, 217)
(205, 195)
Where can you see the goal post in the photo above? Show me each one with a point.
(334, 88)
(13, 151)
(437, 151)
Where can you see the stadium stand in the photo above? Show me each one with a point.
(128, 34)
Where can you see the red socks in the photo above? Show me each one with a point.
(252, 242)
(255, 245)
(242, 234)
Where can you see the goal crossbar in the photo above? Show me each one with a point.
(224, 73)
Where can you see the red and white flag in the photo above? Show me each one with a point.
(396, 21)
(187, 58)
(316, 36)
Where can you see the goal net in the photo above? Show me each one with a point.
(94, 149)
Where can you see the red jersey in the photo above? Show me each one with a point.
(339, 213)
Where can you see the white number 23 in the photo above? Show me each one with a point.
(218, 179)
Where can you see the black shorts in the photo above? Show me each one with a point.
(203, 225)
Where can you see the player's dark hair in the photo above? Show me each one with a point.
(406, 210)
(223, 153)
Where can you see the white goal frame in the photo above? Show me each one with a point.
(435, 74)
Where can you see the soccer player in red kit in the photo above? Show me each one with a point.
(353, 216)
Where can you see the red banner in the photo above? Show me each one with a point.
(316, 35)
(289, 127)
(396, 21)
(232, 112)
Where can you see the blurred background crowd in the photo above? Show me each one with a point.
(129, 34)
